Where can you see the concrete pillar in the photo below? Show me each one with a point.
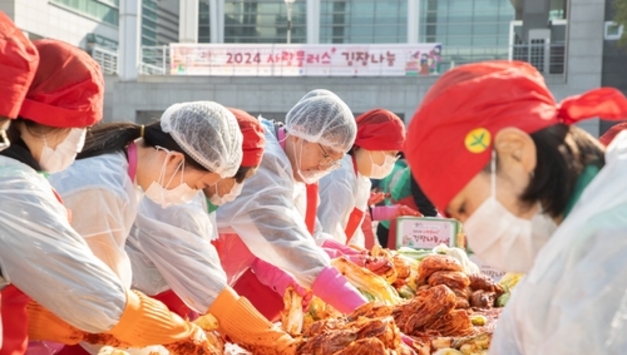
(188, 21)
(220, 20)
(313, 21)
(413, 21)
(129, 38)
(584, 66)
(535, 16)
(213, 20)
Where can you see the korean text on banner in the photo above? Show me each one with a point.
(305, 60)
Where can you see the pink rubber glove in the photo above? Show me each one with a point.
(332, 253)
(408, 341)
(341, 248)
(359, 259)
(42, 347)
(333, 288)
(385, 213)
(279, 280)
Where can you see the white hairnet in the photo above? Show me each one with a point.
(269, 219)
(317, 92)
(322, 117)
(208, 132)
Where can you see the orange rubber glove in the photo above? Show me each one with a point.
(245, 326)
(196, 344)
(44, 325)
(146, 321)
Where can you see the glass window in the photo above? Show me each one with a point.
(363, 21)
(204, 25)
(558, 10)
(469, 30)
(263, 21)
(103, 10)
(149, 23)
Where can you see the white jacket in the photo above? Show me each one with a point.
(574, 299)
(46, 259)
(340, 193)
(103, 200)
(170, 248)
(268, 216)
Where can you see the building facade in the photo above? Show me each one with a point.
(86, 23)
(564, 39)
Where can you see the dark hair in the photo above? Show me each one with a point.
(241, 173)
(18, 149)
(400, 154)
(562, 153)
(105, 138)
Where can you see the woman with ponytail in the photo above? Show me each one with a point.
(173, 258)
(193, 145)
(537, 195)
(50, 279)
(41, 256)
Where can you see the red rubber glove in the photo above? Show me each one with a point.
(376, 197)
(407, 211)
(385, 213)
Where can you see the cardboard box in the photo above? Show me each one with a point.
(428, 232)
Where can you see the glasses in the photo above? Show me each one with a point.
(328, 163)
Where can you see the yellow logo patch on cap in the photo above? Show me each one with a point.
(477, 140)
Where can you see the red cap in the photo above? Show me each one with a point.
(68, 88)
(450, 137)
(18, 63)
(254, 137)
(380, 129)
(608, 137)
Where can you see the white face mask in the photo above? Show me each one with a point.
(60, 158)
(502, 239)
(218, 200)
(310, 176)
(177, 196)
(381, 171)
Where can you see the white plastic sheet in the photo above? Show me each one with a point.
(170, 248)
(103, 201)
(46, 259)
(574, 300)
(267, 219)
(340, 193)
